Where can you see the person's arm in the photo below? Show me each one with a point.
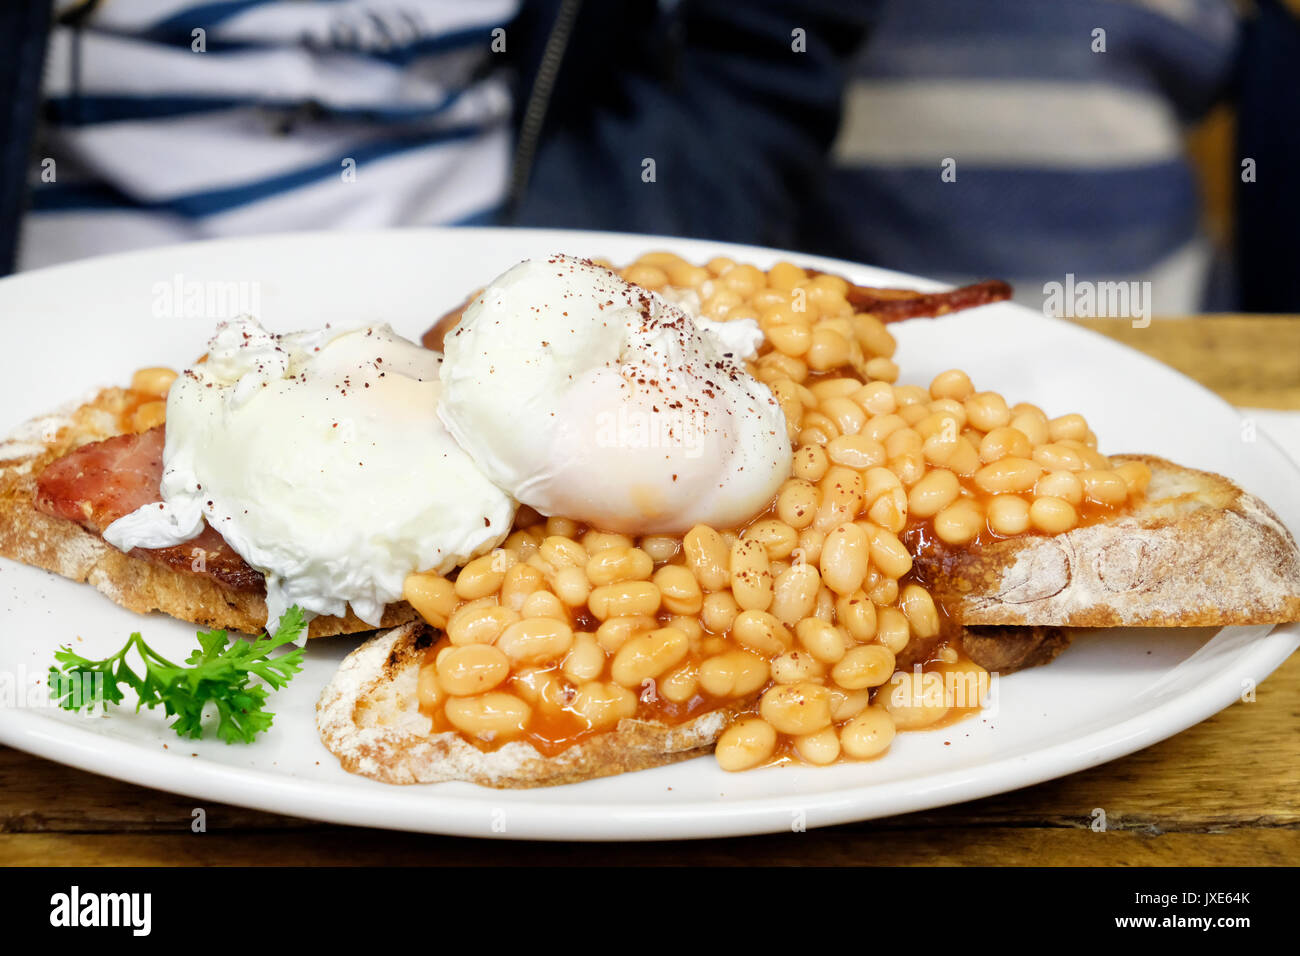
(24, 28)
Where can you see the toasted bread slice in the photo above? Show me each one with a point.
(368, 716)
(67, 549)
(1197, 551)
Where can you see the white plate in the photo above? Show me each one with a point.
(92, 323)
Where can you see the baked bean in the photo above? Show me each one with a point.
(794, 594)
(688, 624)
(433, 597)
(857, 614)
(1008, 475)
(892, 629)
(585, 660)
(479, 578)
(913, 414)
(646, 656)
(153, 381)
(960, 522)
(563, 528)
(624, 599)
(797, 503)
(846, 413)
(1104, 487)
(820, 749)
(1004, 442)
(733, 674)
(680, 591)
(954, 384)
(1057, 456)
(614, 633)
(846, 704)
(743, 279)
(745, 744)
(595, 541)
(1032, 425)
(784, 276)
(1060, 484)
(679, 685)
(428, 694)
(1009, 514)
(544, 604)
(842, 496)
(473, 669)
(796, 709)
(882, 590)
(936, 491)
(868, 735)
(810, 462)
(828, 350)
(845, 557)
(559, 551)
(890, 509)
(538, 640)
(1052, 515)
(762, 632)
(646, 276)
(661, 548)
(603, 703)
(751, 575)
(520, 581)
(825, 642)
(887, 552)
(149, 415)
(811, 541)
(1136, 476)
(987, 411)
(719, 611)
(491, 716)
(918, 606)
(795, 666)
(1067, 426)
(479, 624)
(571, 586)
(523, 543)
(617, 564)
(794, 339)
(708, 556)
(915, 700)
(778, 538)
(867, 665)
(881, 427)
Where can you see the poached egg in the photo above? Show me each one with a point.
(585, 396)
(321, 459)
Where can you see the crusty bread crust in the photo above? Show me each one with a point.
(1197, 551)
(67, 549)
(368, 716)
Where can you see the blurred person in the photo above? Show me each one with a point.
(1031, 139)
(168, 120)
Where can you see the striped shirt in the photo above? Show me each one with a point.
(1061, 124)
(170, 120)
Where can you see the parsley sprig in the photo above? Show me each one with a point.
(218, 673)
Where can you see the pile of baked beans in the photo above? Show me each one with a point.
(796, 620)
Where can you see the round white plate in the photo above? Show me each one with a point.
(88, 324)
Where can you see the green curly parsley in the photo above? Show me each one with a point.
(217, 673)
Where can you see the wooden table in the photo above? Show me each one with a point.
(1226, 792)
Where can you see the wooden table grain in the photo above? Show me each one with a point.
(1225, 792)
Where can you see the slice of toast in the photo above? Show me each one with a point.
(66, 548)
(1196, 551)
(368, 716)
